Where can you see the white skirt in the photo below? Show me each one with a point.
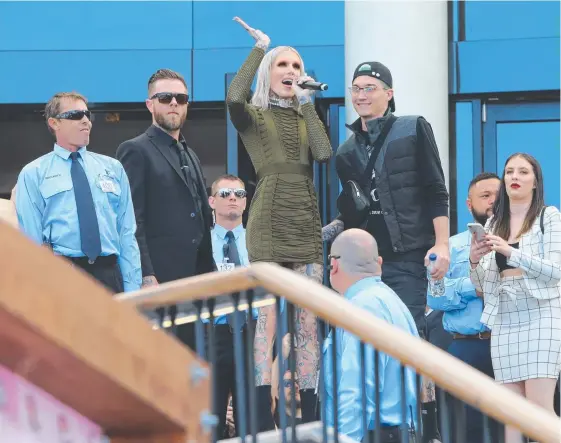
(526, 336)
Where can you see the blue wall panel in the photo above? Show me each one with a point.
(211, 65)
(541, 139)
(309, 23)
(102, 76)
(82, 26)
(509, 65)
(465, 169)
(511, 20)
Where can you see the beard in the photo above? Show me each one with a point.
(480, 217)
(168, 123)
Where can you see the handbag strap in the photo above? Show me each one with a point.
(541, 219)
(376, 149)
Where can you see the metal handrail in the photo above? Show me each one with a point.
(456, 377)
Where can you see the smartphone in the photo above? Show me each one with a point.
(478, 230)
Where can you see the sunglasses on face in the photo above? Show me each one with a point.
(75, 115)
(166, 97)
(226, 192)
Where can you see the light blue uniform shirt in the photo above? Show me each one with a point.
(375, 297)
(46, 208)
(461, 305)
(219, 239)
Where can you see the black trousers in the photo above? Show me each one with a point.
(225, 384)
(105, 269)
(476, 353)
(186, 334)
(409, 281)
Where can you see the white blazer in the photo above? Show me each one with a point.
(539, 258)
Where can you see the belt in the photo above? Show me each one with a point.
(481, 336)
(103, 261)
(393, 434)
(285, 168)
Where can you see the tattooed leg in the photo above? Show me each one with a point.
(332, 230)
(264, 333)
(428, 390)
(429, 415)
(307, 346)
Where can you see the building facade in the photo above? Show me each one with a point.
(485, 74)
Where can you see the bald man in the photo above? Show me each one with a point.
(355, 270)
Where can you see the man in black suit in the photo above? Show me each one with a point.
(169, 193)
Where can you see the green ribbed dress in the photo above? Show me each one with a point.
(284, 224)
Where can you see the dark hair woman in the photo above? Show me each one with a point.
(517, 267)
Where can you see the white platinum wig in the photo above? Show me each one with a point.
(260, 98)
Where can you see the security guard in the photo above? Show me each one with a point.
(78, 202)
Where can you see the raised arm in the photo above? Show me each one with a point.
(239, 89)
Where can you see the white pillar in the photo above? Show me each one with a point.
(411, 39)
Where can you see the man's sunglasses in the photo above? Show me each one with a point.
(329, 257)
(226, 192)
(75, 115)
(166, 98)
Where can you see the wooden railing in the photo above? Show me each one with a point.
(64, 333)
(451, 374)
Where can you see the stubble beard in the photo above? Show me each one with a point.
(167, 124)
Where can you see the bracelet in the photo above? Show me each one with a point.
(476, 263)
(262, 45)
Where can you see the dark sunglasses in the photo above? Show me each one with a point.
(329, 257)
(166, 98)
(74, 115)
(226, 192)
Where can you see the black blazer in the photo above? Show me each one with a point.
(173, 236)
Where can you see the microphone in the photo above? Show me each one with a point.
(316, 86)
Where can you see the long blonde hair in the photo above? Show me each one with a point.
(260, 98)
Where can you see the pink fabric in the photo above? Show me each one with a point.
(30, 415)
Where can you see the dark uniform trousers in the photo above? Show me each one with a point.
(105, 270)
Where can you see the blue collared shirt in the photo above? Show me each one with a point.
(375, 297)
(461, 305)
(46, 208)
(219, 239)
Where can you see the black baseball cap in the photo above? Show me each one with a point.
(376, 70)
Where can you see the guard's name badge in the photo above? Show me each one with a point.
(107, 186)
(225, 266)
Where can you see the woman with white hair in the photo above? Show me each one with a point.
(283, 135)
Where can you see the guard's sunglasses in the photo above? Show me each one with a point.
(226, 192)
(75, 115)
(166, 97)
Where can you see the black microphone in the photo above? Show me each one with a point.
(316, 86)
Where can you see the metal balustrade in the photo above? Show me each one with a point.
(458, 386)
(63, 332)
